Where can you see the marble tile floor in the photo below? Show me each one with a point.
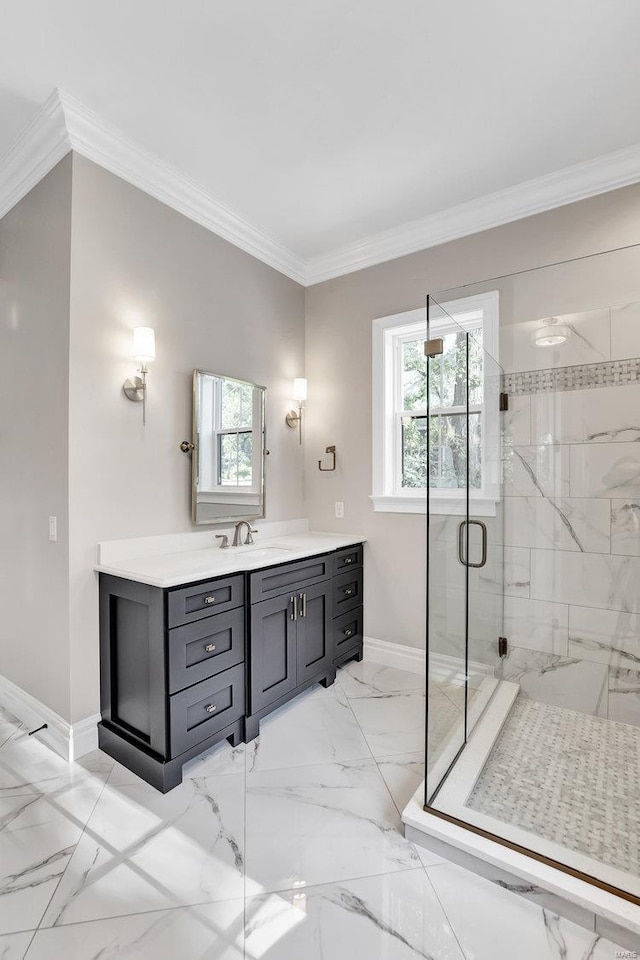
(569, 778)
(290, 848)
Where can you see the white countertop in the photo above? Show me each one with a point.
(205, 562)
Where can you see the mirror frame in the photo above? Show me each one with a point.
(195, 453)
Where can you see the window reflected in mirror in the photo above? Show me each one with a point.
(228, 482)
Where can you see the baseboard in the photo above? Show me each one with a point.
(396, 655)
(69, 741)
(413, 659)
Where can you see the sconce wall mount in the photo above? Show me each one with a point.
(294, 417)
(144, 351)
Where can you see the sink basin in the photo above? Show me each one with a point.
(263, 553)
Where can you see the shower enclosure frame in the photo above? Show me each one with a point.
(430, 797)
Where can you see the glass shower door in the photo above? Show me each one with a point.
(464, 535)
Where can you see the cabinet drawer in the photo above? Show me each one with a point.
(347, 631)
(203, 599)
(202, 710)
(204, 648)
(289, 577)
(347, 591)
(348, 558)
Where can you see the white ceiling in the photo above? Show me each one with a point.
(326, 121)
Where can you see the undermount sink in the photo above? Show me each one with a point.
(264, 552)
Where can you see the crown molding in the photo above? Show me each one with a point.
(64, 124)
(36, 150)
(578, 182)
(96, 140)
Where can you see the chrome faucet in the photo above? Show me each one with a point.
(237, 537)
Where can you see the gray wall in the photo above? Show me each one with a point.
(136, 261)
(133, 260)
(338, 364)
(35, 240)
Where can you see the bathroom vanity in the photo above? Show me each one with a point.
(188, 660)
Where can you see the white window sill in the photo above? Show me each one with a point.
(442, 506)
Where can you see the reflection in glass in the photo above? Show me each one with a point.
(229, 449)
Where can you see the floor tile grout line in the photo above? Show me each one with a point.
(463, 952)
(375, 759)
(357, 722)
(29, 945)
(334, 883)
(172, 908)
(75, 847)
(161, 911)
(365, 760)
(123, 854)
(208, 903)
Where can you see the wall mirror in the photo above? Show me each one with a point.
(228, 449)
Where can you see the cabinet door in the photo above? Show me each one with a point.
(273, 651)
(314, 630)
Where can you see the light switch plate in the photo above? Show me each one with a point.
(53, 529)
(339, 510)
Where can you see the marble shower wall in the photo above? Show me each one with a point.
(571, 470)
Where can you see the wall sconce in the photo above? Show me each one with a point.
(551, 333)
(294, 418)
(144, 351)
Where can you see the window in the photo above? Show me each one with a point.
(234, 433)
(228, 461)
(411, 443)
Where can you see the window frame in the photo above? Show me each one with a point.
(388, 335)
(209, 441)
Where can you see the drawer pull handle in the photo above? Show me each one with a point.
(348, 560)
(209, 600)
(348, 633)
(303, 604)
(210, 647)
(294, 610)
(211, 708)
(348, 592)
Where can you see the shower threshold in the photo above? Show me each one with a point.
(597, 895)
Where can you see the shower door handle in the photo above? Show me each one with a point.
(483, 528)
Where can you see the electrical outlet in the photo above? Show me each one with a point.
(339, 510)
(53, 529)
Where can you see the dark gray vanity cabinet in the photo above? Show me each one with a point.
(347, 627)
(290, 636)
(273, 652)
(186, 667)
(172, 679)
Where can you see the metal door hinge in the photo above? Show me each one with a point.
(502, 646)
(504, 402)
(433, 348)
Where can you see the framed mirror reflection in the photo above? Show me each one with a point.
(228, 449)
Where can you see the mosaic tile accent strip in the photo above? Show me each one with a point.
(569, 778)
(586, 376)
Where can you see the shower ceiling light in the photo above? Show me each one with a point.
(551, 333)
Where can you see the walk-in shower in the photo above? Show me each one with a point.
(531, 444)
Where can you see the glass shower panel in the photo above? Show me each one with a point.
(486, 554)
(447, 451)
(562, 569)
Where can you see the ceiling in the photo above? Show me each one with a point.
(324, 122)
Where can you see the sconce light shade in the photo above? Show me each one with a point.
(144, 351)
(300, 389)
(144, 344)
(294, 417)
